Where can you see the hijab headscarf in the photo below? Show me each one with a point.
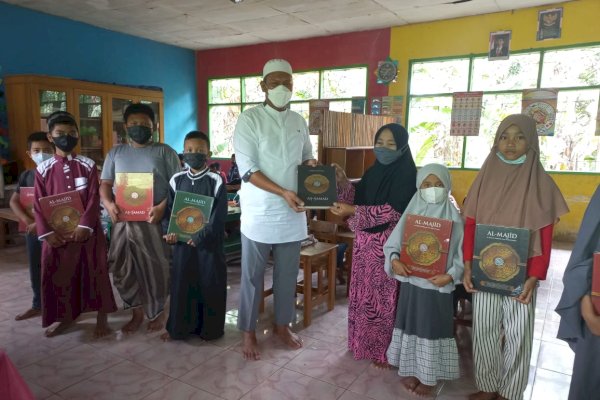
(516, 195)
(443, 210)
(577, 279)
(392, 184)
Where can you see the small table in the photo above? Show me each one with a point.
(6, 215)
(348, 238)
(319, 257)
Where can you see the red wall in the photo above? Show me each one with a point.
(366, 47)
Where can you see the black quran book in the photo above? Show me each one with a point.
(316, 186)
(500, 259)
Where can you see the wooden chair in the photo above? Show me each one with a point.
(327, 231)
(324, 231)
(319, 258)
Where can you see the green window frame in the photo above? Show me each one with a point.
(229, 96)
(573, 149)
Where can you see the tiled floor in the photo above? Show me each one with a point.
(140, 366)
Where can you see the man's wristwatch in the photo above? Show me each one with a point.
(247, 175)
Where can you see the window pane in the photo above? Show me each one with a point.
(252, 91)
(571, 67)
(344, 83)
(306, 86)
(224, 91)
(300, 108)
(495, 108)
(573, 146)
(429, 127)
(222, 120)
(341, 106)
(439, 76)
(518, 72)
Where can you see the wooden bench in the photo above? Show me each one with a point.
(7, 216)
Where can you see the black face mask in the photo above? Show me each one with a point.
(195, 160)
(139, 134)
(65, 143)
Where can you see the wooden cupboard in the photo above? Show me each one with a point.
(354, 160)
(98, 108)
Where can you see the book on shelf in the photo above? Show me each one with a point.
(500, 259)
(317, 186)
(189, 215)
(425, 245)
(134, 195)
(62, 211)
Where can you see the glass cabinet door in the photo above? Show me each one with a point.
(119, 133)
(91, 127)
(156, 108)
(51, 101)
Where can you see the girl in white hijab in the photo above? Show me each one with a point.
(423, 346)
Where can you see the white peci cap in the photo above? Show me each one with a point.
(276, 65)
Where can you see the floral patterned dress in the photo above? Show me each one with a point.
(372, 299)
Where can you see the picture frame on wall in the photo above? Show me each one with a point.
(499, 48)
(550, 24)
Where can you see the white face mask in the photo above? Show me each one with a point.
(279, 96)
(39, 158)
(433, 194)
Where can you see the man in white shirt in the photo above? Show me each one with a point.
(270, 141)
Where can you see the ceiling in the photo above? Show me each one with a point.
(207, 24)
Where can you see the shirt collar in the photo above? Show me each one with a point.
(198, 175)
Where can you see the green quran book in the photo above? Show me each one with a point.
(189, 215)
(500, 259)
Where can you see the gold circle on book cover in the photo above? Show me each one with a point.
(316, 184)
(189, 219)
(423, 248)
(134, 196)
(499, 262)
(64, 219)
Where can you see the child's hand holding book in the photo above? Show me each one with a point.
(400, 268)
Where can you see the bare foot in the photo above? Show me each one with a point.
(102, 328)
(289, 338)
(424, 390)
(156, 324)
(32, 312)
(58, 329)
(137, 317)
(410, 383)
(381, 365)
(165, 337)
(250, 346)
(481, 395)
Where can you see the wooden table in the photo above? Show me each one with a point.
(6, 216)
(348, 238)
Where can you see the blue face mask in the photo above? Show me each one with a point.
(387, 156)
(518, 161)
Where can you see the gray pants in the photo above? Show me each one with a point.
(285, 273)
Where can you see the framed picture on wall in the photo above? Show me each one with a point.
(499, 45)
(549, 24)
